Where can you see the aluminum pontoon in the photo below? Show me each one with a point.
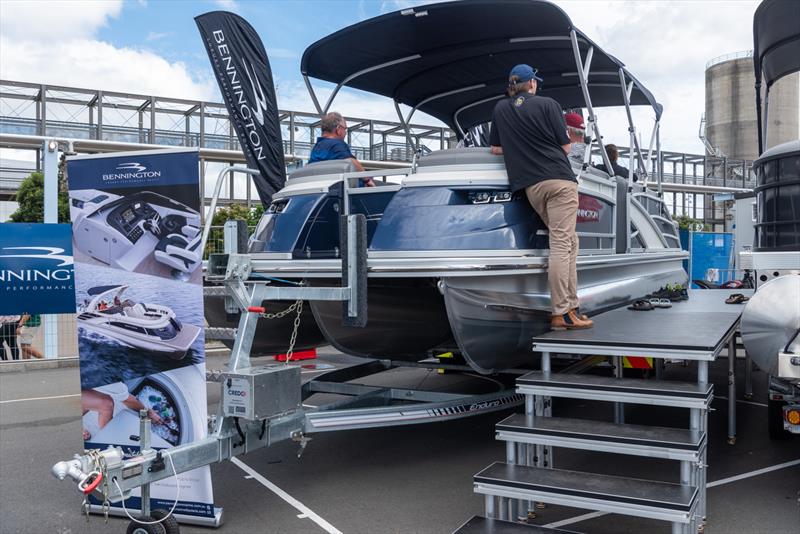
(454, 258)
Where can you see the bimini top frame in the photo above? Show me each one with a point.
(451, 61)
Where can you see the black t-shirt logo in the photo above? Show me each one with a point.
(519, 101)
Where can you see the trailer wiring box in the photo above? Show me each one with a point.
(257, 393)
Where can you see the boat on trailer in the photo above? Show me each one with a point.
(455, 259)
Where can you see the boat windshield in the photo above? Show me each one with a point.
(165, 332)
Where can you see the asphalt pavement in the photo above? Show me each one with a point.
(410, 479)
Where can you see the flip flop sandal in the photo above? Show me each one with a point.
(736, 298)
(654, 302)
(664, 303)
(641, 305)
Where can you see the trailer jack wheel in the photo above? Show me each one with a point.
(142, 528)
(170, 524)
(167, 524)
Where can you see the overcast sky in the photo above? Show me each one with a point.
(153, 47)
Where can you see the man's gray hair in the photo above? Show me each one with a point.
(330, 121)
(576, 131)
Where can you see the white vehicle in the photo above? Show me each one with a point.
(140, 325)
(124, 231)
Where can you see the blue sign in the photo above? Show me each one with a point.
(156, 168)
(36, 269)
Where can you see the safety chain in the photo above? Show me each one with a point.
(282, 313)
(295, 328)
(99, 462)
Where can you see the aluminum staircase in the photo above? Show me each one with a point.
(527, 476)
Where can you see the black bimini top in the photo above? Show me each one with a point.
(451, 60)
(776, 39)
(98, 290)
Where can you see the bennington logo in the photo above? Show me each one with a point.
(35, 279)
(131, 171)
(247, 110)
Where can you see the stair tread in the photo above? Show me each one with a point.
(563, 427)
(488, 525)
(651, 494)
(666, 388)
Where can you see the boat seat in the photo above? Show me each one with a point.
(460, 156)
(137, 310)
(321, 168)
(180, 251)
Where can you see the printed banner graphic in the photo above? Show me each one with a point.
(138, 287)
(36, 269)
(242, 70)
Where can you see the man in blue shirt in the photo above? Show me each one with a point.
(332, 146)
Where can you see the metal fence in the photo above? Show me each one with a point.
(54, 336)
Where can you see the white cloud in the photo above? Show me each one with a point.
(228, 5)
(53, 21)
(54, 43)
(155, 36)
(282, 53)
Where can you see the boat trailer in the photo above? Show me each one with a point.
(264, 404)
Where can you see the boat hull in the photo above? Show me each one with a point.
(405, 319)
(494, 318)
(272, 335)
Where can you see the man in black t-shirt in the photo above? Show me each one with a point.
(529, 131)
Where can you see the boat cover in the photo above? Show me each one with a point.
(776, 39)
(776, 47)
(451, 60)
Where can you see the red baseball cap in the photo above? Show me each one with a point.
(574, 120)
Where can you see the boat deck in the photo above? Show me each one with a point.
(184, 339)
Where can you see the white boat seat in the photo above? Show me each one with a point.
(320, 168)
(179, 251)
(137, 310)
(460, 156)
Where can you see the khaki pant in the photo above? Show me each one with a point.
(556, 202)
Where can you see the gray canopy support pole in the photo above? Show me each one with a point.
(404, 123)
(631, 128)
(660, 166)
(650, 150)
(312, 94)
(582, 72)
(215, 197)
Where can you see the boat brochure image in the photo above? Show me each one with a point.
(142, 325)
(139, 231)
(131, 325)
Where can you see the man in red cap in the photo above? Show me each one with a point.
(576, 132)
(529, 131)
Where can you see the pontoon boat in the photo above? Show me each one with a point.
(146, 326)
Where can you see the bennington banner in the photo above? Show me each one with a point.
(139, 293)
(36, 273)
(242, 70)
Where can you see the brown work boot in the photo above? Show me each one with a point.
(580, 315)
(569, 321)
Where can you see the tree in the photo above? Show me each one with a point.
(240, 212)
(231, 213)
(31, 201)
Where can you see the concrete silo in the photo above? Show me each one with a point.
(730, 110)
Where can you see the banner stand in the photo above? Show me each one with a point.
(183, 519)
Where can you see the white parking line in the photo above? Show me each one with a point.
(40, 398)
(302, 508)
(714, 484)
(755, 473)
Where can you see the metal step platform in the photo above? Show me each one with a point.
(641, 498)
(635, 440)
(612, 389)
(488, 525)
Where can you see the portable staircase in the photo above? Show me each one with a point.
(528, 476)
